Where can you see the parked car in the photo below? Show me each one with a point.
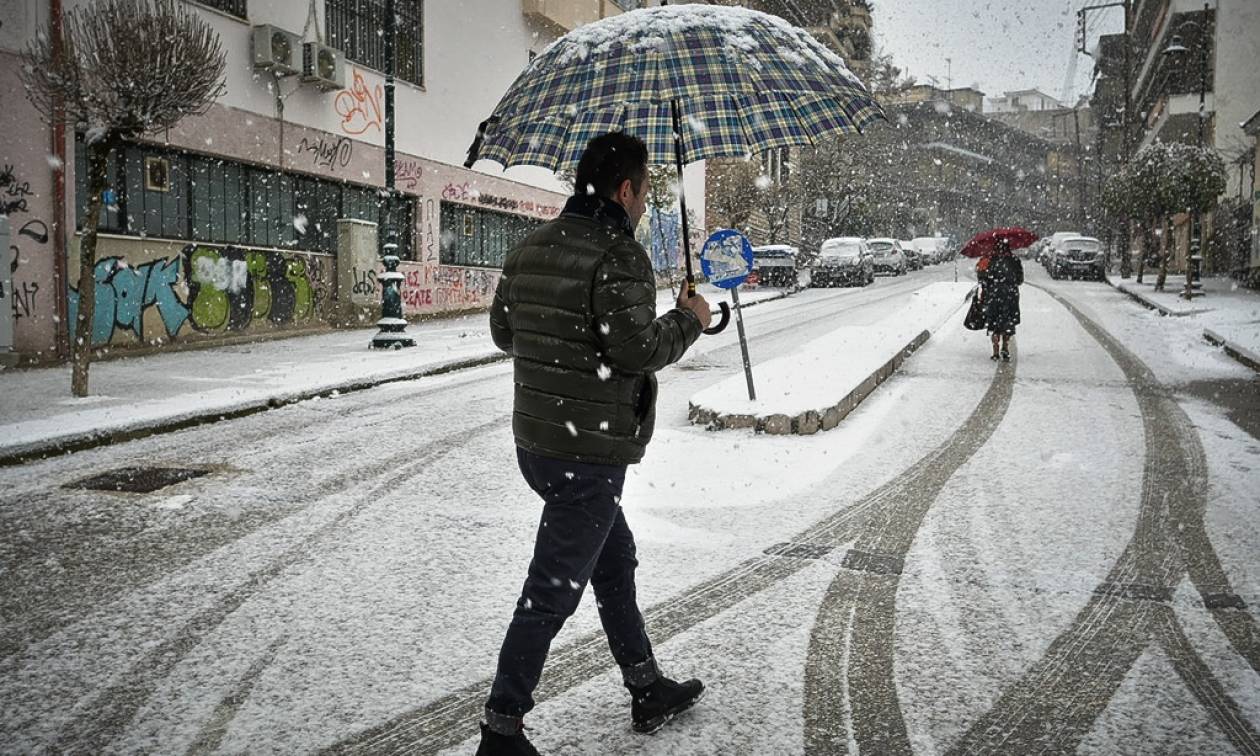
(844, 259)
(914, 260)
(775, 265)
(889, 257)
(1077, 257)
(931, 247)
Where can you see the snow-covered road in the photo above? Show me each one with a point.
(980, 558)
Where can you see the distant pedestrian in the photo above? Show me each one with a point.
(1001, 274)
(576, 308)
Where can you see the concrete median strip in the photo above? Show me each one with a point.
(814, 389)
(1233, 347)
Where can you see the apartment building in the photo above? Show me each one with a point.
(260, 217)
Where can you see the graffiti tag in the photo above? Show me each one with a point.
(328, 153)
(359, 107)
(232, 289)
(364, 281)
(407, 173)
(13, 193)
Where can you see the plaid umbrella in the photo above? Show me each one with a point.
(739, 81)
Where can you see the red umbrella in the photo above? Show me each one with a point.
(983, 244)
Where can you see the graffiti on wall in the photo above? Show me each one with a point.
(360, 107)
(125, 293)
(441, 286)
(426, 237)
(33, 233)
(466, 193)
(327, 153)
(13, 192)
(232, 289)
(207, 289)
(407, 173)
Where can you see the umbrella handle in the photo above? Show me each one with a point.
(723, 321)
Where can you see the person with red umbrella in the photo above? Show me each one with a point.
(1001, 274)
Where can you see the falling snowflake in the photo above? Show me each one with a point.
(299, 223)
(604, 372)
(572, 428)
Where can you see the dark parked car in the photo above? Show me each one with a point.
(775, 265)
(1077, 257)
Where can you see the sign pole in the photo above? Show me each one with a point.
(743, 343)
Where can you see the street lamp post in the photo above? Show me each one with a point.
(393, 326)
(1175, 52)
(1126, 261)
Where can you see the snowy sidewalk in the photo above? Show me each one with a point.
(137, 396)
(1228, 315)
(816, 388)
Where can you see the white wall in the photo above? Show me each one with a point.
(1237, 95)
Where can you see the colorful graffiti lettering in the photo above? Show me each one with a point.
(462, 192)
(359, 107)
(124, 293)
(230, 289)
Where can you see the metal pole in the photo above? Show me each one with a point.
(393, 327)
(1194, 285)
(1126, 261)
(743, 343)
(682, 198)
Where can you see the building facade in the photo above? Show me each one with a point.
(1181, 53)
(260, 217)
(1022, 101)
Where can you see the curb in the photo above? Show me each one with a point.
(812, 421)
(37, 450)
(1151, 305)
(1240, 353)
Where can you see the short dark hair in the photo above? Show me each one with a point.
(608, 161)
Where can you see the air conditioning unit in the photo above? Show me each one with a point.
(277, 50)
(323, 65)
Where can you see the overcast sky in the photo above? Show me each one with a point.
(996, 45)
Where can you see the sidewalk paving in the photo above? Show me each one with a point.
(138, 396)
(1228, 314)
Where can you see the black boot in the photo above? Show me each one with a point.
(497, 744)
(654, 703)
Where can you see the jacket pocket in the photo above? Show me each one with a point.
(645, 398)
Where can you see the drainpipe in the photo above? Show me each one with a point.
(61, 291)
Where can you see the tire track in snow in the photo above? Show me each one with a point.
(850, 691)
(453, 718)
(1059, 698)
(103, 717)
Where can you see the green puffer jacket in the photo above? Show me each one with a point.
(576, 308)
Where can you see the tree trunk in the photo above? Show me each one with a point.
(1165, 252)
(81, 347)
(1126, 249)
(1146, 246)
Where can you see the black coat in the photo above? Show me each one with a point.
(576, 308)
(1000, 285)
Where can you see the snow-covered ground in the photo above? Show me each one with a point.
(130, 393)
(351, 563)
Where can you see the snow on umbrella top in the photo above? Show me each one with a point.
(745, 81)
(986, 242)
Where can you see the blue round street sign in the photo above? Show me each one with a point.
(726, 258)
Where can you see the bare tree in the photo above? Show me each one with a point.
(734, 193)
(117, 70)
(776, 199)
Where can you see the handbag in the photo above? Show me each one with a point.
(975, 314)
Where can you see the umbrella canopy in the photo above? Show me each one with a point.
(743, 82)
(983, 244)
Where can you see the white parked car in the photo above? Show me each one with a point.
(844, 259)
(775, 265)
(889, 256)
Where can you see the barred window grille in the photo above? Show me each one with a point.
(231, 7)
(357, 28)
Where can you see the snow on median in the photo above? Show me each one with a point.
(813, 389)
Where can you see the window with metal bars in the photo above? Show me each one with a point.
(357, 28)
(231, 7)
(178, 195)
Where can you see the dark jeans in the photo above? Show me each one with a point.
(582, 537)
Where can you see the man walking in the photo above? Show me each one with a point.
(576, 308)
